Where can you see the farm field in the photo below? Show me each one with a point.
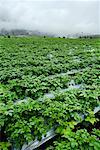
(50, 83)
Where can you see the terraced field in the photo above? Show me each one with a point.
(49, 89)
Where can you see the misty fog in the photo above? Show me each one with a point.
(57, 17)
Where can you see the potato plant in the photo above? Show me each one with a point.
(33, 67)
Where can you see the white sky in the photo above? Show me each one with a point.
(53, 16)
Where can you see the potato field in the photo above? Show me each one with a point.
(49, 93)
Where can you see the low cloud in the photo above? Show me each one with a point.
(57, 17)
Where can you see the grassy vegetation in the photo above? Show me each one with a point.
(31, 67)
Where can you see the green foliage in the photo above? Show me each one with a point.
(80, 139)
(4, 145)
(31, 67)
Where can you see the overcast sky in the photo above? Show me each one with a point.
(54, 16)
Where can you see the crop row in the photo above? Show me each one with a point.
(34, 67)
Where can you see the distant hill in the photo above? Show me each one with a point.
(23, 32)
(19, 32)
